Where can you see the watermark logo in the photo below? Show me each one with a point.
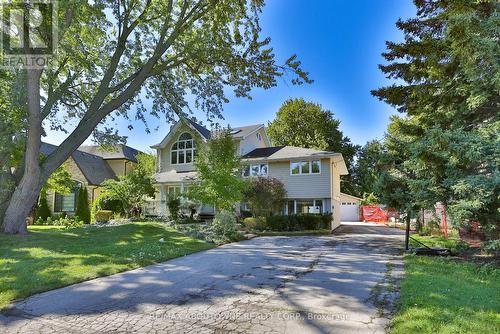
(28, 33)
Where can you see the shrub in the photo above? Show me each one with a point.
(187, 220)
(224, 228)
(430, 228)
(255, 224)
(299, 222)
(174, 205)
(67, 222)
(42, 211)
(492, 245)
(82, 205)
(103, 215)
(265, 195)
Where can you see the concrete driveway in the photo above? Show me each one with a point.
(343, 283)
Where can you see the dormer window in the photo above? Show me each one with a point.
(183, 150)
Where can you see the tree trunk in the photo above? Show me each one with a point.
(407, 232)
(26, 193)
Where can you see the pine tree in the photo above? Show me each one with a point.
(82, 206)
(43, 210)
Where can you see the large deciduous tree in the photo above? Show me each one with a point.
(307, 124)
(112, 54)
(448, 87)
(219, 181)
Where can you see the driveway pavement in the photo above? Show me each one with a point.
(341, 283)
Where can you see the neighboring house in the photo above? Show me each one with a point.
(90, 166)
(349, 208)
(311, 177)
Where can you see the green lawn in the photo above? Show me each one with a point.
(52, 257)
(447, 295)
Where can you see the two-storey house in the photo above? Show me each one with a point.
(311, 177)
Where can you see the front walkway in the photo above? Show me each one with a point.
(329, 284)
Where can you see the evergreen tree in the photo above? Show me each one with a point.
(82, 205)
(42, 210)
(448, 88)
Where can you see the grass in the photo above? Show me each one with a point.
(445, 295)
(51, 257)
(295, 233)
(452, 243)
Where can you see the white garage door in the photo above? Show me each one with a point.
(349, 212)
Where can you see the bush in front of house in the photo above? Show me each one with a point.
(224, 228)
(174, 206)
(265, 195)
(255, 223)
(42, 211)
(103, 216)
(299, 222)
(82, 206)
(60, 220)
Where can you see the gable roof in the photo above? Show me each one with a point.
(93, 167)
(113, 152)
(280, 153)
(237, 132)
(244, 131)
(200, 128)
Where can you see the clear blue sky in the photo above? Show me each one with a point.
(339, 43)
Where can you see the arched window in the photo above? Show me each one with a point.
(183, 150)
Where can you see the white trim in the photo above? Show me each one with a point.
(250, 170)
(254, 130)
(185, 150)
(300, 168)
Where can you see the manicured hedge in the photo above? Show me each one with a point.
(300, 222)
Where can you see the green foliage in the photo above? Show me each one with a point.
(367, 168)
(219, 180)
(255, 223)
(60, 181)
(63, 221)
(224, 228)
(173, 205)
(103, 216)
(369, 199)
(307, 124)
(492, 245)
(289, 223)
(265, 195)
(445, 149)
(132, 189)
(82, 205)
(42, 211)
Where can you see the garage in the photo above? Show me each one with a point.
(349, 208)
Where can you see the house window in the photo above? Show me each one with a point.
(66, 202)
(305, 167)
(183, 150)
(255, 170)
(174, 191)
(259, 137)
(305, 206)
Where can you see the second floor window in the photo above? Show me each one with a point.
(183, 150)
(255, 170)
(305, 167)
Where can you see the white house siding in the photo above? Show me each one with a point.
(311, 186)
(251, 142)
(164, 153)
